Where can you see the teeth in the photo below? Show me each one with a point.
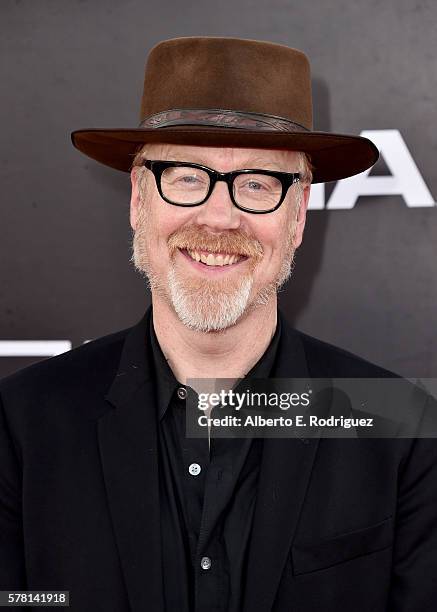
(194, 255)
(213, 259)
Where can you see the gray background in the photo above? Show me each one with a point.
(365, 278)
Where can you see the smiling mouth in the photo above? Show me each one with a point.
(214, 259)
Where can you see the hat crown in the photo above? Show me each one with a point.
(229, 92)
(228, 73)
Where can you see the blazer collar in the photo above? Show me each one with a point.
(283, 481)
(127, 436)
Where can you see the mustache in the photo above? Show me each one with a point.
(235, 242)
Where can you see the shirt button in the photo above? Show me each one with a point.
(194, 469)
(205, 563)
(182, 393)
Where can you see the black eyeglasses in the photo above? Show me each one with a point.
(254, 191)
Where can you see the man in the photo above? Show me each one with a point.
(101, 492)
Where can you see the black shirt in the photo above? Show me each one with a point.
(207, 499)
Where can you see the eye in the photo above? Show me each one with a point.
(255, 186)
(189, 179)
(185, 177)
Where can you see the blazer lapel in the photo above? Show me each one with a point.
(283, 481)
(127, 436)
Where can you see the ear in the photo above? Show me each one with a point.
(301, 219)
(134, 199)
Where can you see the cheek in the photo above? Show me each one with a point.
(275, 237)
(164, 220)
(150, 233)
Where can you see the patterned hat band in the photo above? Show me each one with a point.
(222, 118)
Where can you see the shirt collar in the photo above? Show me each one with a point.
(166, 382)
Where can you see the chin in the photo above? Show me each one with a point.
(205, 308)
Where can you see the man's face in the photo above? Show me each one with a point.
(250, 255)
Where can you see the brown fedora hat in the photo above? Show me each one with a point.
(233, 93)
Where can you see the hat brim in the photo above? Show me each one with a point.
(334, 156)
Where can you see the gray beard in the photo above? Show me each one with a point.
(203, 307)
(206, 309)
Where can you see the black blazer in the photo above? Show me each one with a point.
(339, 525)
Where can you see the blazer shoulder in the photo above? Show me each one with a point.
(91, 364)
(326, 359)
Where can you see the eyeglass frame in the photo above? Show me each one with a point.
(157, 167)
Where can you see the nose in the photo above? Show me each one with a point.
(218, 212)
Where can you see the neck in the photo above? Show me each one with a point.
(230, 353)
